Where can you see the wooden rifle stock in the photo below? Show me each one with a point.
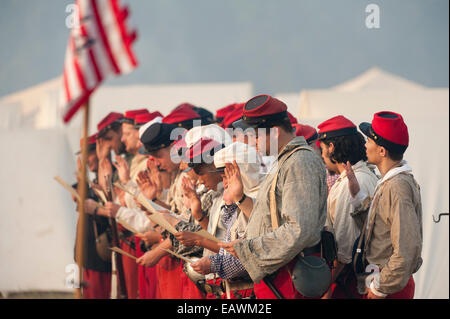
(116, 243)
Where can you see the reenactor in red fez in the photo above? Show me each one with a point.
(340, 142)
(157, 140)
(391, 238)
(110, 133)
(289, 212)
(96, 267)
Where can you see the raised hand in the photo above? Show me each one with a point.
(155, 175)
(104, 172)
(194, 201)
(235, 188)
(146, 185)
(123, 169)
(103, 149)
(353, 184)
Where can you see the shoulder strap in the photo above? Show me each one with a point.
(272, 199)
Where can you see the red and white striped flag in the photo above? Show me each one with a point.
(100, 45)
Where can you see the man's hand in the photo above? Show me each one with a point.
(89, 206)
(149, 259)
(353, 184)
(146, 185)
(123, 169)
(103, 149)
(194, 202)
(235, 187)
(111, 209)
(202, 266)
(150, 238)
(230, 247)
(188, 238)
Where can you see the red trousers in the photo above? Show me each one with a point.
(168, 272)
(283, 283)
(405, 293)
(130, 269)
(243, 293)
(188, 288)
(98, 284)
(147, 281)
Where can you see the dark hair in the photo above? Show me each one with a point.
(347, 148)
(394, 156)
(114, 126)
(284, 123)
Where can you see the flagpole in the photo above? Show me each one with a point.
(82, 188)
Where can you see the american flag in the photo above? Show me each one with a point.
(99, 46)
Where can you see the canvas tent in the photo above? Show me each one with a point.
(38, 217)
(426, 112)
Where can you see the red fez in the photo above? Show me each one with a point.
(182, 116)
(388, 130)
(223, 112)
(264, 111)
(233, 115)
(292, 118)
(130, 116)
(141, 119)
(308, 132)
(106, 123)
(202, 151)
(336, 126)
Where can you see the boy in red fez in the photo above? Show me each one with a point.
(340, 143)
(391, 238)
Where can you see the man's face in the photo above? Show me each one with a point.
(130, 137)
(92, 161)
(373, 152)
(210, 180)
(114, 139)
(326, 151)
(164, 161)
(263, 140)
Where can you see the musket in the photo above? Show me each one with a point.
(116, 242)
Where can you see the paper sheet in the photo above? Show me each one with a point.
(177, 255)
(123, 252)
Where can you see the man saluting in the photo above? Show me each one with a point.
(300, 192)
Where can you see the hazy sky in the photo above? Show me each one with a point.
(279, 46)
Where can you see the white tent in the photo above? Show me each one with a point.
(38, 217)
(426, 112)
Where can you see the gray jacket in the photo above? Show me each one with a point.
(301, 196)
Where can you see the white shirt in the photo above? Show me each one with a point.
(339, 207)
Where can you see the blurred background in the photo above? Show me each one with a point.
(318, 56)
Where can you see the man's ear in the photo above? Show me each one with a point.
(382, 151)
(331, 148)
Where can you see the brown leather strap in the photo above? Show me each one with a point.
(272, 195)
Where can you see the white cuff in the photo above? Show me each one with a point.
(375, 292)
(358, 199)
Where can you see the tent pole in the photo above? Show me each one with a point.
(81, 227)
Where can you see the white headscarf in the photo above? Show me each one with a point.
(249, 162)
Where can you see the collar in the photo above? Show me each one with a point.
(403, 168)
